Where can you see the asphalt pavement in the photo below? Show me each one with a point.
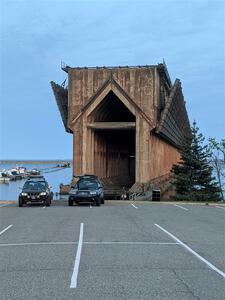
(121, 250)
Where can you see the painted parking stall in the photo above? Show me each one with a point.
(112, 251)
(5, 229)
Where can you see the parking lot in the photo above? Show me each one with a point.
(121, 250)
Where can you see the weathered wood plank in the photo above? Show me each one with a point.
(112, 125)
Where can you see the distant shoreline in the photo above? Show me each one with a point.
(14, 161)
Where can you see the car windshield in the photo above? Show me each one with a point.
(34, 185)
(87, 185)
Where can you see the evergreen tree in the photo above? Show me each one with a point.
(193, 174)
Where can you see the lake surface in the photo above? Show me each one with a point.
(54, 176)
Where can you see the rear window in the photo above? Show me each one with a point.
(35, 185)
(87, 185)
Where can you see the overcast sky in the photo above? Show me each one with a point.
(37, 35)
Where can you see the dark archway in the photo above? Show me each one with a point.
(113, 127)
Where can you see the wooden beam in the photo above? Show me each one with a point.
(112, 125)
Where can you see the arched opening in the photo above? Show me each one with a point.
(112, 128)
(112, 109)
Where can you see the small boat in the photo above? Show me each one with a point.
(4, 179)
(13, 174)
(34, 172)
(64, 165)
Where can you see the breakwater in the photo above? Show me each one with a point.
(41, 162)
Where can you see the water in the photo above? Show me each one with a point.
(10, 191)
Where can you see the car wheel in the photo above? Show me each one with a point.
(70, 202)
(20, 202)
(98, 202)
(48, 201)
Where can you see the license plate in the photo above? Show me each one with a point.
(83, 193)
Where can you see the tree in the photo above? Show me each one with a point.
(218, 161)
(193, 174)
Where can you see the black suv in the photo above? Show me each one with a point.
(88, 189)
(36, 189)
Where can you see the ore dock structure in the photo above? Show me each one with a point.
(127, 123)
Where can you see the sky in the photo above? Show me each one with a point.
(35, 36)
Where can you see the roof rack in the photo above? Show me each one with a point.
(86, 176)
(35, 176)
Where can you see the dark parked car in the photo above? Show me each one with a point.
(94, 178)
(88, 189)
(36, 189)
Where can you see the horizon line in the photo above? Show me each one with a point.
(20, 159)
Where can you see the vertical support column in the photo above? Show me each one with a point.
(89, 151)
(95, 153)
(137, 154)
(103, 159)
(142, 151)
(100, 157)
(77, 151)
(85, 146)
(146, 152)
(92, 136)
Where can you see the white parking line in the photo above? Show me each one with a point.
(129, 243)
(180, 207)
(220, 207)
(88, 243)
(5, 229)
(39, 244)
(73, 283)
(211, 266)
(134, 206)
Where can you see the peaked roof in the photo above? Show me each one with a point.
(174, 123)
(111, 85)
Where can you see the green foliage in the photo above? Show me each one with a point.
(193, 174)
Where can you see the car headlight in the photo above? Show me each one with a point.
(93, 193)
(43, 194)
(23, 194)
